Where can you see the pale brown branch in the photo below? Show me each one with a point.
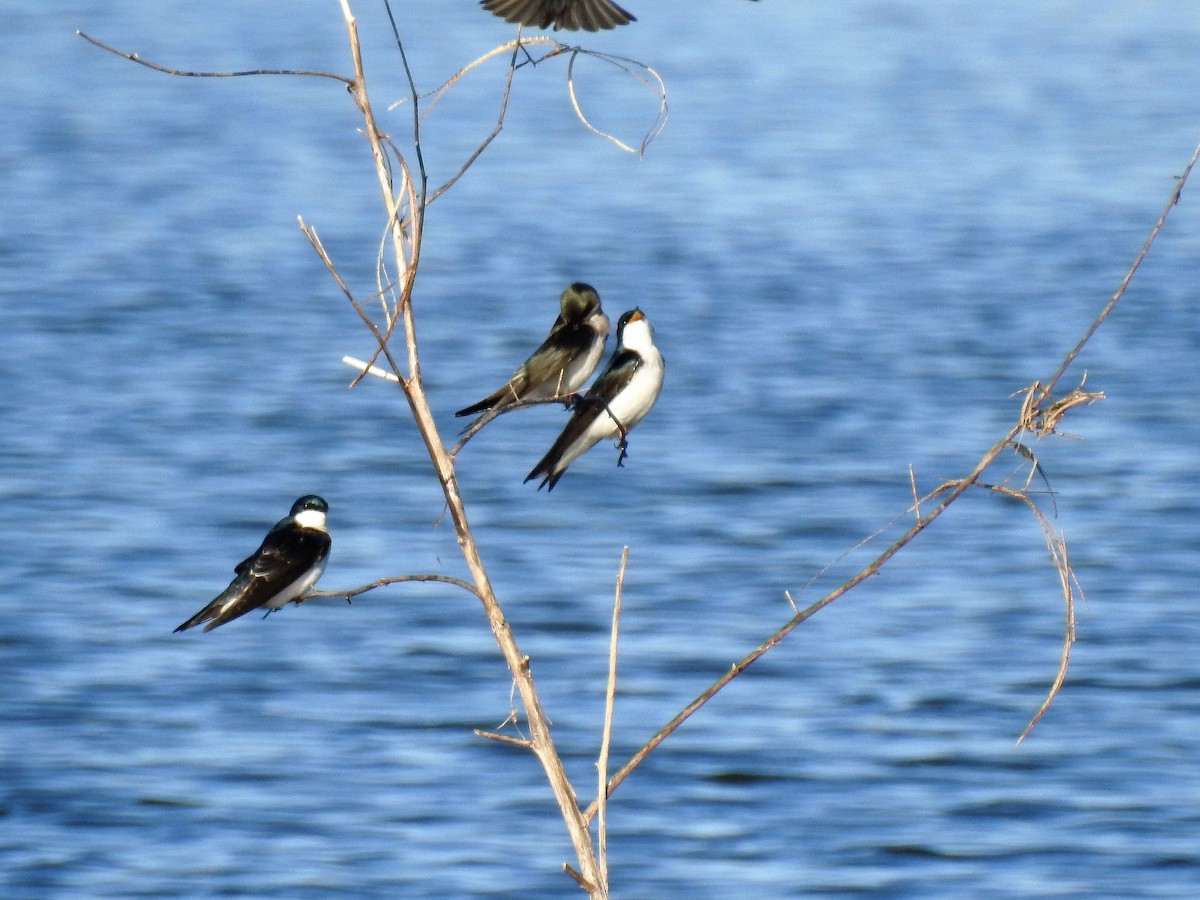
(383, 582)
(955, 490)
(628, 67)
(381, 339)
(486, 142)
(1176, 192)
(524, 743)
(912, 480)
(406, 245)
(579, 879)
(1057, 546)
(133, 57)
(1040, 412)
(610, 694)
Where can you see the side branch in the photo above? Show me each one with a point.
(133, 57)
(1039, 414)
(1176, 193)
(956, 489)
(383, 582)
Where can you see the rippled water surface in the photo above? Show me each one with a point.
(865, 226)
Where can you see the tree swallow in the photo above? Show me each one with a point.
(288, 563)
(590, 15)
(617, 401)
(573, 15)
(564, 360)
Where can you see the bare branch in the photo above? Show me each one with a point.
(383, 582)
(381, 339)
(606, 735)
(1176, 193)
(504, 738)
(365, 368)
(133, 57)
(1057, 546)
(580, 880)
(629, 67)
(954, 489)
(1033, 417)
(912, 480)
(496, 129)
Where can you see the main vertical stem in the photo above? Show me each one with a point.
(406, 249)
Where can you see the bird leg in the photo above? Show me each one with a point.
(622, 444)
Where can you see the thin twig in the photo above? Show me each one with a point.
(582, 882)
(1176, 193)
(955, 490)
(315, 240)
(365, 368)
(912, 480)
(486, 142)
(133, 57)
(610, 693)
(627, 66)
(1068, 583)
(524, 743)
(383, 582)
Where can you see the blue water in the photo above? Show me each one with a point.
(864, 227)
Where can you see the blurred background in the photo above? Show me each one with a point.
(864, 227)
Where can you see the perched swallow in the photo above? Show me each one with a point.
(573, 15)
(617, 401)
(565, 359)
(288, 563)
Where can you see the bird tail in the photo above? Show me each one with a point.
(548, 466)
(482, 406)
(214, 609)
(511, 392)
(203, 616)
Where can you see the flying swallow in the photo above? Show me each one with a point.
(573, 15)
(288, 563)
(617, 401)
(564, 360)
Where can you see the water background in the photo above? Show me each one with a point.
(864, 227)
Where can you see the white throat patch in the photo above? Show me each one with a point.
(311, 518)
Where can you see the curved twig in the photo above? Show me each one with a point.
(627, 66)
(1057, 546)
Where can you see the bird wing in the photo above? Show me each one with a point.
(590, 15)
(286, 554)
(564, 343)
(594, 404)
